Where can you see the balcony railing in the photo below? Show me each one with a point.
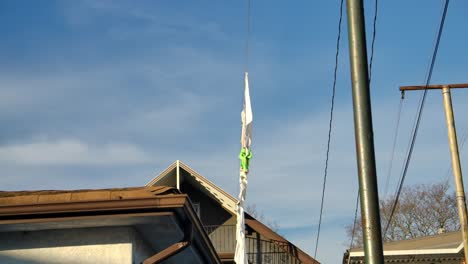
(259, 251)
(222, 237)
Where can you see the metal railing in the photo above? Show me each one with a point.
(259, 251)
(222, 237)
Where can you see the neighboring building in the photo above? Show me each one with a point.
(217, 212)
(113, 226)
(178, 218)
(443, 248)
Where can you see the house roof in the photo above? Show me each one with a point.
(270, 234)
(154, 211)
(446, 243)
(226, 200)
(64, 196)
(169, 177)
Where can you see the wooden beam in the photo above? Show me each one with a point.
(167, 253)
(432, 87)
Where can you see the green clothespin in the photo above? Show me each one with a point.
(245, 156)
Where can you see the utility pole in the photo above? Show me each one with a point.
(456, 167)
(364, 134)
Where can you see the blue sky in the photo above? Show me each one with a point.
(101, 94)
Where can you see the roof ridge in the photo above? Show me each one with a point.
(163, 173)
(198, 175)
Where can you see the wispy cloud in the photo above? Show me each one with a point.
(73, 152)
(153, 21)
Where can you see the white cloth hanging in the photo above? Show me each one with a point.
(240, 256)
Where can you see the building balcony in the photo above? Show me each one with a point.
(259, 251)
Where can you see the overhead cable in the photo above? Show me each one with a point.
(392, 152)
(374, 32)
(353, 233)
(463, 140)
(247, 39)
(330, 124)
(418, 118)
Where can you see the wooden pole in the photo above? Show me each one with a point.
(453, 143)
(456, 168)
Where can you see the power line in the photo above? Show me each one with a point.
(390, 167)
(373, 40)
(392, 155)
(330, 123)
(397, 123)
(464, 137)
(354, 225)
(247, 39)
(419, 115)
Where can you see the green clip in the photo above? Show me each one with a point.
(245, 156)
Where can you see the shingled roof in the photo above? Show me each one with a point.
(446, 246)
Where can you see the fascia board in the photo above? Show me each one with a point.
(415, 252)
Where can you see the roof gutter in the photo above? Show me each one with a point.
(162, 201)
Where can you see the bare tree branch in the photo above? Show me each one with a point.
(422, 210)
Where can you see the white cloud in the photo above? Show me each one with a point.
(72, 152)
(153, 21)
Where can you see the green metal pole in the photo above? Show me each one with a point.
(364, 134)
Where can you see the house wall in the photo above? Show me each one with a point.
(141, 249)
(112, 245)
(210, 211)
(219, 223)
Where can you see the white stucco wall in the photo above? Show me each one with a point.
(107, 245)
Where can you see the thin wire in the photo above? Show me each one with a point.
(419, 114)
(392, 155)
(373, 41)
(330, 125)
(354, 225)
(374, 33)
(247, 39)
(449, 170)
